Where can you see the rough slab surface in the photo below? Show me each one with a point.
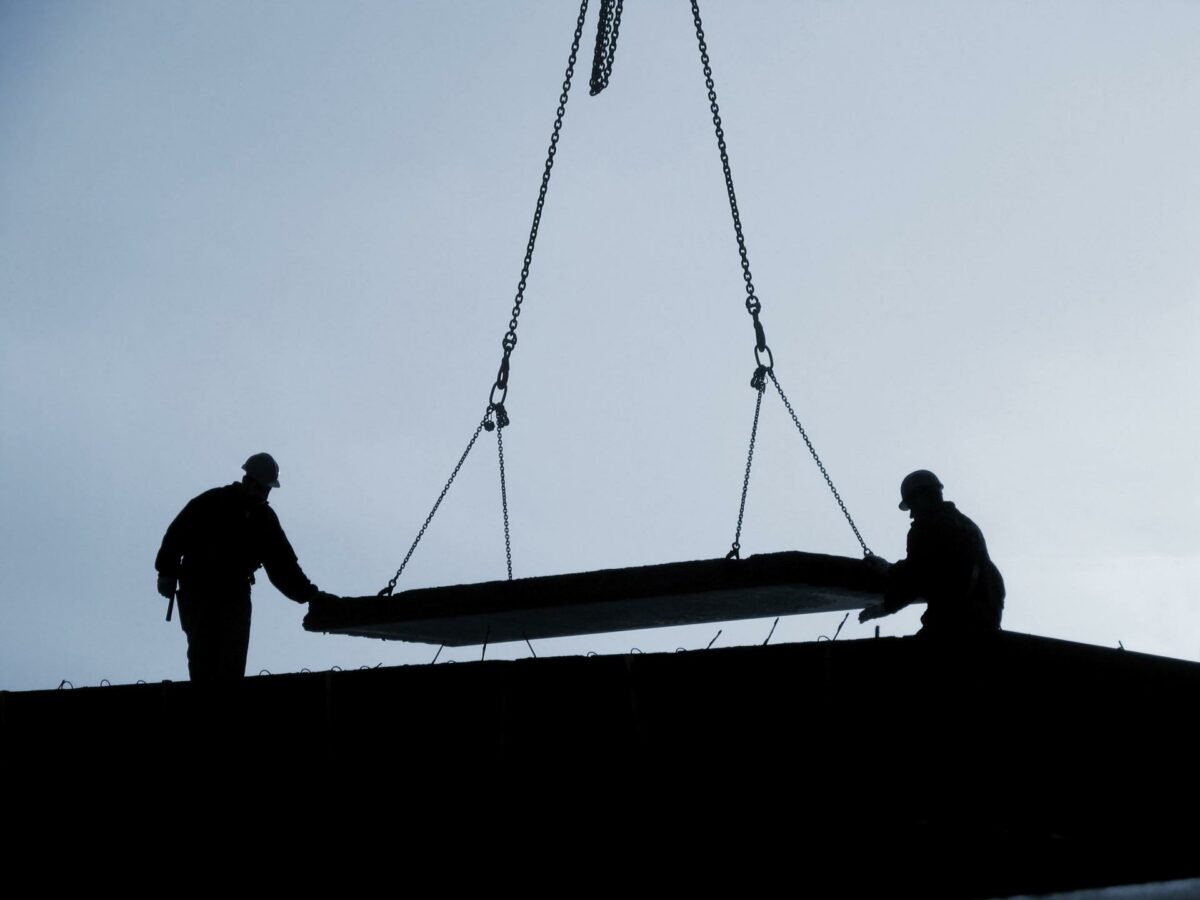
(687, 593)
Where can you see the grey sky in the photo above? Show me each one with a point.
(296, 227)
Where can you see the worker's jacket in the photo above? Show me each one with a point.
(221, 537)
(947, 566)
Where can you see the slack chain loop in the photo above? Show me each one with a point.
(607, 26)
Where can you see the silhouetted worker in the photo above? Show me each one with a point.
(212, 550)
(947, 566)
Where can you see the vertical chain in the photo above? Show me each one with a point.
(736, 550)
(820, 465)
(504, 502)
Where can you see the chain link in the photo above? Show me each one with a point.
(608, 24)
(735, 552)
(504, 499)
(820, 465)
(391, 586)
(509, 342)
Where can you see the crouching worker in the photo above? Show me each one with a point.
(210, 552)
(947, 566)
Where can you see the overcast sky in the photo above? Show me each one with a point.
(228, 227)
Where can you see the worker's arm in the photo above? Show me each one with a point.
(908, 578)
(880, 566)
(281, 563)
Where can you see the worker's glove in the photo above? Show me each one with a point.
(319, 595)
(877, 611)
(166, 586)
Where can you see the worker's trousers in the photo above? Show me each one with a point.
(217, 625)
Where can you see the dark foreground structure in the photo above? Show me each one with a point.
(1015, 764)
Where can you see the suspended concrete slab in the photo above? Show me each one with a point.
(686, 593)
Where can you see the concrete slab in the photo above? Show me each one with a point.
(686, 593)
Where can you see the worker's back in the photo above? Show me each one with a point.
(223, 535)
(949, 567)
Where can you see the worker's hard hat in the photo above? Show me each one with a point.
(263, 469)
(920, 480)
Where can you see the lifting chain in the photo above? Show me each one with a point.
(504, 499)
(763, 358)
(509, 342)
(496, 416)
(735, 552)
(753, 306)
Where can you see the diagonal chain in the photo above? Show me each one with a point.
(820, 465)
(391, 586)
(509, 342)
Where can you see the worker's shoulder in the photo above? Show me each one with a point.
(945, 519)
(959, 528)
(216, 500)
(264, 514)
(957, 516)
(207, 498)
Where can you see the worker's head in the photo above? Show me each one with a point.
(920, 491)
(261, 472)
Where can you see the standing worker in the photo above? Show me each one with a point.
(947, 566)
(211, 552)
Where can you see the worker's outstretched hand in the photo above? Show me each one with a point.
(166, 586)
(877, 611)
(324, 595)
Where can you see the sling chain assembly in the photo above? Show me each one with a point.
(763, 358)
(496, 417)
